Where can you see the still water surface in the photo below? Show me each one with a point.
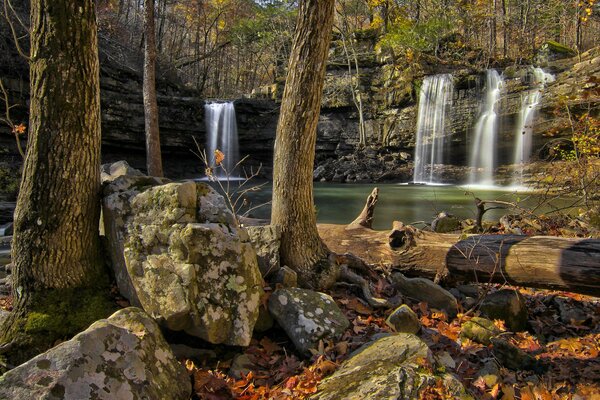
(341, 203)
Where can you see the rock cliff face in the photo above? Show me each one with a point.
(389, 93)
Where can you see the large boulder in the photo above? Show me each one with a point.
(388, 368)
(307, 317)
(266, 241)
(122, 357)
(178, 254)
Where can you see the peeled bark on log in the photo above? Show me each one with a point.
(365, 218)
(534, 261)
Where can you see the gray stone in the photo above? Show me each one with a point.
(286, 277)
(512, 357)
(241, 366)
(490, 373)
(266, 241)
(425, 290)
(507, 305)
(177, 254)
(569, 312)
(403, 319)
(445, 223)
(110, 172)
(385, 369)
(184, 351)
(122, 357)
(307, 317)
(479, 330)
(469, 290)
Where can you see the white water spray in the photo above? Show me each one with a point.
(436, 95)
(221, 134)
(482, 158)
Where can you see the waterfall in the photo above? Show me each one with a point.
(221, 133)
(482, 158)
(524, 129)
(436, 95)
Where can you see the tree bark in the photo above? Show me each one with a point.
(534, 261)
(293, 209)
(153, 156)
(55, 249)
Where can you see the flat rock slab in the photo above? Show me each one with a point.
(122, 357)
(307, 317)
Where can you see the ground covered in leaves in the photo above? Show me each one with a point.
(566, 351)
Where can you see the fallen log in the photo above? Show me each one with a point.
(534, 261)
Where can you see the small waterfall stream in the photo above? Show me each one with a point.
(221, 134)
(527, 115)
(482, 159)
(434, 99)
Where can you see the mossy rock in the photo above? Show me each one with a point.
(480, 330)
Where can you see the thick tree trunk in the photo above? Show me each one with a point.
(533, 261)
(293, 209)
(56, 243)
(153, 156)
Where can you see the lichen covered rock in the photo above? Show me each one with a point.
(480, 330)
(266, 241)
(307, 317)
(387, 368)
(186, 263)
(121, 357)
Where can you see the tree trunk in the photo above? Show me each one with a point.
(293, 209)
(534, 261)
(153, 157)
(55, 251)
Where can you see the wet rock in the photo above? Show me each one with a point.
(307, 317)
(479, 330)
(266, 241)
(403, 319)
(425, 290)
(121, 357)
(507, 305)
(184, 260)
(445, 223)
(469, 290)
(385, 369)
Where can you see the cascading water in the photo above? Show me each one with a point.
(221, 133)
(482, 158)
(436, 94)
(524, 129)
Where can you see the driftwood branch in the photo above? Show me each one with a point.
(365, 218)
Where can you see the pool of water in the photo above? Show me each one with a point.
(341, 203)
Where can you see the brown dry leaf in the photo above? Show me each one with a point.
(269, 346)
(219, 157)
(356, 305)
(508, 392)
(342, 348)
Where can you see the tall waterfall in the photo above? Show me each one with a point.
(436, 95)
(221, 133)
(482, 158)
(524, 128)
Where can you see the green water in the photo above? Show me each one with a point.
(341, 203)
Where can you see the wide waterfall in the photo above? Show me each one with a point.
(435, 97)
(221, 134)
(482, 159)
(524, 128)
